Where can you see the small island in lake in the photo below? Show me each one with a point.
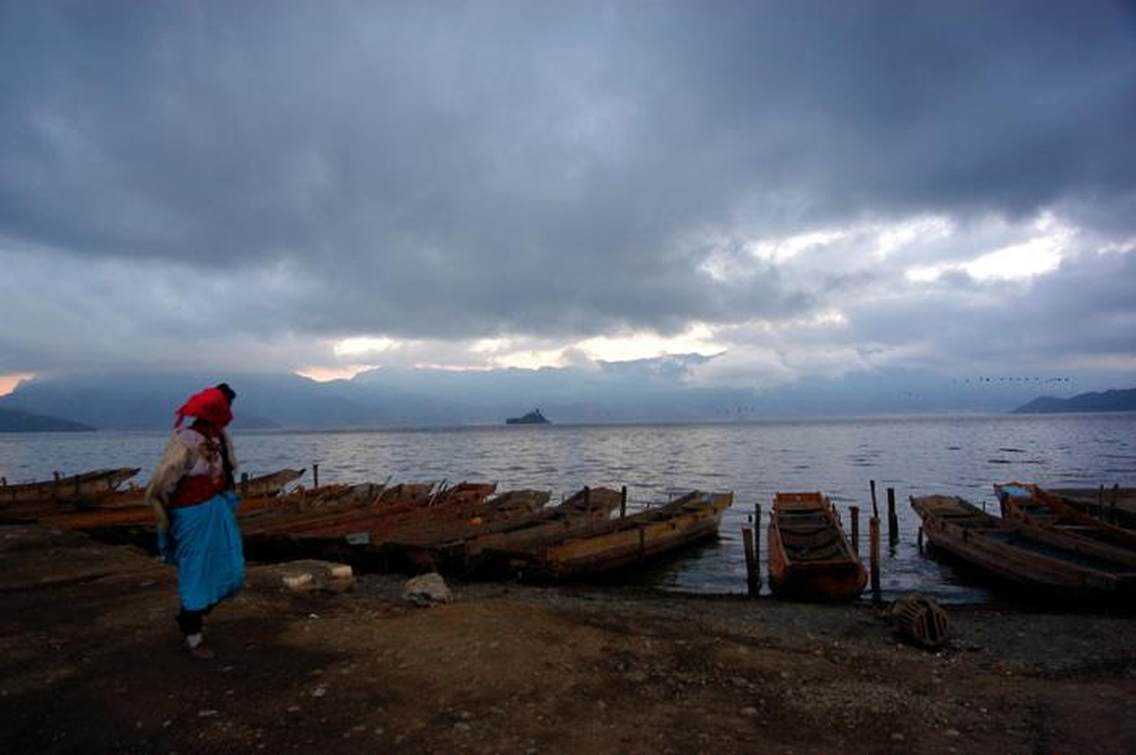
(532, 418)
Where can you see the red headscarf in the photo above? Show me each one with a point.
(211, 405)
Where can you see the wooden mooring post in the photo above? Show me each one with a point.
(623, 502)
(874, 555)
(919, 539)
(875, 507)
(854, 515)
(757, 548)
(752, 585)
(893, 522)
(316, 476)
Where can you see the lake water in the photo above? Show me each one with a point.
(916, 456)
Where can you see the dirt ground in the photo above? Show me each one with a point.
(90, 661)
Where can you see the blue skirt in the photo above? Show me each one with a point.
(204, 543)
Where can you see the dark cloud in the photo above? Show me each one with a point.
(463, 170)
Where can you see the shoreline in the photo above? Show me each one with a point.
(92, 662)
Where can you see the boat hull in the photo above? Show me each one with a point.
(809, 556)
(1047, 563)
(619, 543)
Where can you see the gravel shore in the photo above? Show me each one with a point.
(91, 662)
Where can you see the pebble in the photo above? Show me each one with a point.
(206, 713)
(319, 691)
(461, 726)
(953, 733)
(897, 737)
(749, 710)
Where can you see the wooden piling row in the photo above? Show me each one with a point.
(854, 515)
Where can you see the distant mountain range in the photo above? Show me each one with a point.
(16, 421)
(665, 389)
(1106, 401)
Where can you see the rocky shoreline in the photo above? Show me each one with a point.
(92, 663)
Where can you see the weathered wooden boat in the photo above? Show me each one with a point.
(460, 543)
(128, 517)
(809, 556)
(578, 512)
(385, 513)
(1033, 505)
(88, 486)
(139, 515)
(1054, 565)
(261, 486)
(1115, 504)
(347, 507)
(615, 543)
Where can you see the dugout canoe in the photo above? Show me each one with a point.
(88, 486)
(261, 486)
(605, 546)
(809, 556)
(136, 516)
(1030, 503)
(1115, 505)
(1047, 563)
(463, 543)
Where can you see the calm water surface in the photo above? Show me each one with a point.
(916, 456)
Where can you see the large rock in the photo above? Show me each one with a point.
(426, 589)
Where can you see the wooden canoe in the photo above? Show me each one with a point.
(88, 486)
(411, 504)
(461, 544)
(1055, 565)
(261, 486)
(1115, 505)
(608, 545)
(1031, 504)
(578, 512)
(809, 556)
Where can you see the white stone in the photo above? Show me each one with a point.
(427, 589)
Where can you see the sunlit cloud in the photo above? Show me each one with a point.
(9, 381)
(363, 345)
(326, 374)
(1020, 261)
(698, 339)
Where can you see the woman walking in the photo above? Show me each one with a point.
(195, 502)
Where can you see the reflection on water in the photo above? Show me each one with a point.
(916, 456)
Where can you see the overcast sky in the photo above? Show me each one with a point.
(801, 188)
